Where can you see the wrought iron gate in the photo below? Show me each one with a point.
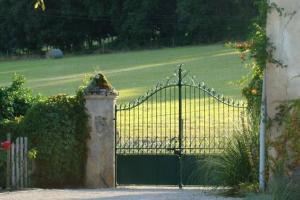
(158, 133)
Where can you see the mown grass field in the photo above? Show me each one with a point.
(131, 73)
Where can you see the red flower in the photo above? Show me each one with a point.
(6, 145)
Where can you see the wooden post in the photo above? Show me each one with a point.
(25, 162)
(21, 162)
(8, 166)
(13, 166)
(17, 163)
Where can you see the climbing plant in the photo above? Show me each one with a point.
(259, 50)
(57, 128)
(255, 50)
(287, 145)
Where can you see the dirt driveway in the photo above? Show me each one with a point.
(125, 193)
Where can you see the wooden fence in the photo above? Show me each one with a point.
(17, 164)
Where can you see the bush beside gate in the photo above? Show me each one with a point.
(56, 128)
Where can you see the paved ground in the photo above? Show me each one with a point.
(128, 193)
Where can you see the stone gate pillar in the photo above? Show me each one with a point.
(100, 106)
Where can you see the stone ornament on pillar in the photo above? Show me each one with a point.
(99, 85)
(100, 104)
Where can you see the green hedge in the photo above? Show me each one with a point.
(57, 129)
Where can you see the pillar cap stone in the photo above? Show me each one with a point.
(99, 86)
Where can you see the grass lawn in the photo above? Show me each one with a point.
(131, 73)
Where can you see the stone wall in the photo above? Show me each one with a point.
(283, 83)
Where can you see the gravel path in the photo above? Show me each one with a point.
(126, 193)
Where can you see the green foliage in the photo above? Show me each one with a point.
(74, 25)
(239, 162)
(252, 91)
(32, 154)
(280, 187)
(212, 20)
(260, 51)
(2, 168)
(287, 145)
(15, 99)
(57, 130)
(40, 4)
(256, 48)
(11, 126)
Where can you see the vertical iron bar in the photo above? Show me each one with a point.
(204, 117)
(223, 125)
(180, 124)
(219, 124)
(166, 120)
(143, 128)
(125, 140)
(138, 130)
(133, 131)
(228, 115)
(214, 132)
(152, 111)
(199, 121)
(147, 130)
(130, 145)
(170, 118)
(119, 144)
(175, 115)
(161, 135)
(209, 145)
(156, 121)
(185, 116)
(195, 120)
(190, 101)
(116, 163)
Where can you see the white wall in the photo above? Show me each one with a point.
(284, 34)
(283, 83)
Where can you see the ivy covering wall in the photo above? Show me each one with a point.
(57, 129)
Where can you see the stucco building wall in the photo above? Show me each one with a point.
(284, 33)
(283, 83)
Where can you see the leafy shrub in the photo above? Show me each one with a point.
(11, 126)
(57, 128)
(15, 99)
(256, 48)
(239, 162)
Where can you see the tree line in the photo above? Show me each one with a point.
(73, 25)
